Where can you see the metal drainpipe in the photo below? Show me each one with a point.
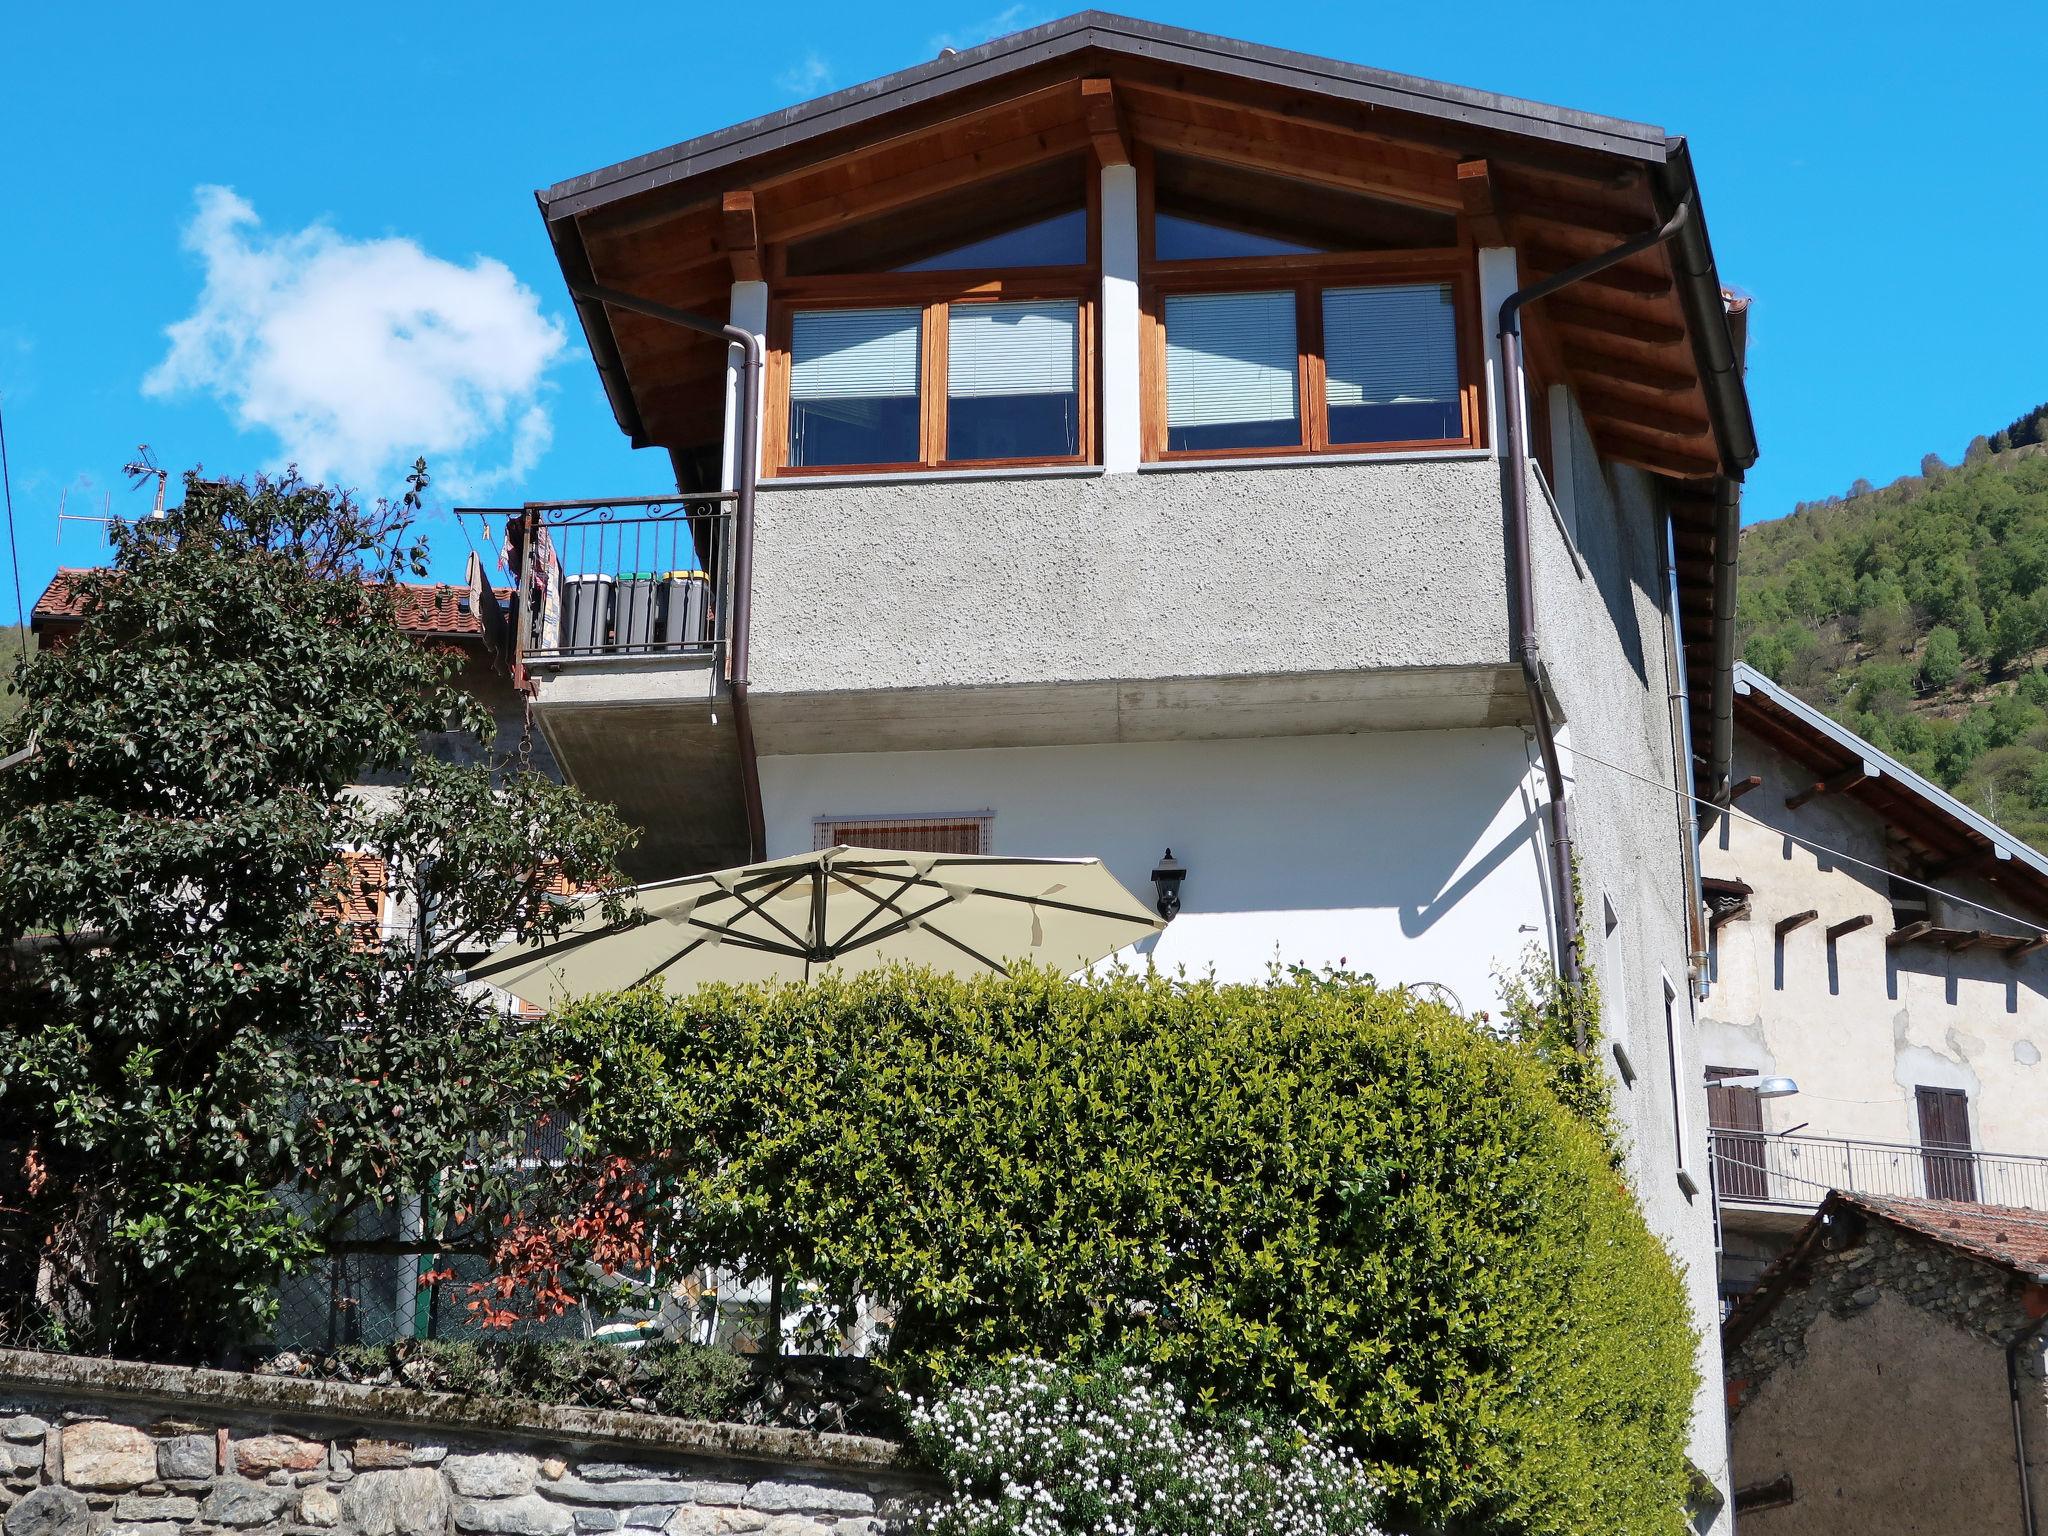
(2019, 1424)
(1721, 727)
(748, 438)
(1517, 483)
(1680, 706)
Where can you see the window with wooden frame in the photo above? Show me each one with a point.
(1285, 319)
(902, 379)
(954, 337)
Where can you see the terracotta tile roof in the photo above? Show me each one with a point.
(2008, 1235)
(424, 608)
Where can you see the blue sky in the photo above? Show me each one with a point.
(1874, 185)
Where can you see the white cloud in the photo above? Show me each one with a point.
(973, 34)
(360, 355)
(811, 77)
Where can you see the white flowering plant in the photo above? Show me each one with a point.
(1035, 1449)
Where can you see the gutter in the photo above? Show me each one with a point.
(1563, 897)
(743, 526)
(1719, 361)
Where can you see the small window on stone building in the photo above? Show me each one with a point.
(969, 832)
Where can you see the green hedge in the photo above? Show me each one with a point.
(1314, 1198)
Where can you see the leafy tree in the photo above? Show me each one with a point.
(1942, 659)
(189, 1031)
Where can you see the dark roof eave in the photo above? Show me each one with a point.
(1079, 33)
(1706, 313)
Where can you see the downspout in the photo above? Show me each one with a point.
(1680, 704)
(2028, 1527)
(747, 437)
(1721, 729)
(1517, 471)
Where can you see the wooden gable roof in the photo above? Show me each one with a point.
(1648, 344)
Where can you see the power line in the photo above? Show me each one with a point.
(1806, 842)
(13, 550)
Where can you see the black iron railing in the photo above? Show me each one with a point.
(1753, 1168)
(616, 578)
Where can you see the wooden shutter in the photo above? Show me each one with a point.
(1945, 1143)
(1736, 1116)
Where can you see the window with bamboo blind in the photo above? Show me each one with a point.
(968, 833)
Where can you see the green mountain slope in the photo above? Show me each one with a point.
(1918, 616)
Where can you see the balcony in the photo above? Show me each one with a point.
(1182, 602)
(622, 628)
(1795, 1173)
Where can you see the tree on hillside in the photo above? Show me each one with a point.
(1942, 660)
(189, 1030)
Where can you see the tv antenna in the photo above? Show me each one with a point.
(141, 468)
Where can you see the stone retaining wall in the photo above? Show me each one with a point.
(94, 1446)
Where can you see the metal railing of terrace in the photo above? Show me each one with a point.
(1797, 1172)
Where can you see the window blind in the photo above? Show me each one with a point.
(1390, 346)
(1230, 357)
(1011, 349)
(853, 354)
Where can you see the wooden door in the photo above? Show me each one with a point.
(1945, 1143)
(1736, 1116)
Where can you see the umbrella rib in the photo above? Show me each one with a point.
(754, 906)
(966, 949)
(881, 904)
(905, 922)
(525, 957)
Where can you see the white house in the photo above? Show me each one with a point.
(1113, 439)
(1881, 945)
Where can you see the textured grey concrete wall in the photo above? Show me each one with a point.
(991, 582)
(90, 1446)
(1601, 626)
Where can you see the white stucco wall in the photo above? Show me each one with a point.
(1859, 1024)
(1412, 855)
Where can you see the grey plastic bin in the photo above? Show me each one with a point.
(586, 612)
(684, 595)
(633, 611)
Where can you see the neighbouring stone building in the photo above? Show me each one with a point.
(92, 1446)
(1889, 1374)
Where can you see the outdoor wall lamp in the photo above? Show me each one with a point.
(1766, 1087)
(1166, 879)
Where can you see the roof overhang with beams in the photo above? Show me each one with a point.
(1648, 344)
(1652, 347)
(1949, 837)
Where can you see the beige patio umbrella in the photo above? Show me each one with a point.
(837, 911)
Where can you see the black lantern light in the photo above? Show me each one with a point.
(1166, 879)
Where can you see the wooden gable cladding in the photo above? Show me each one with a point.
(1621, 340)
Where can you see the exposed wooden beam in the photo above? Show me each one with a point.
(740, 235)
(1618, 279)
(1605, 322)
(795, 220)
(1648, 417)
(1289, 148)
(1733, 914)
(1697, 445)
(1963, 938)
(1847, 779)
(1742, 787)
(1658, 461)
(1105, 123)
(1797, 920)
(1608, 221)
(1909, 933)
(1849, 925)
(1632, 375)
(1966, 862)
(2020, 952)
(1482, 202)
